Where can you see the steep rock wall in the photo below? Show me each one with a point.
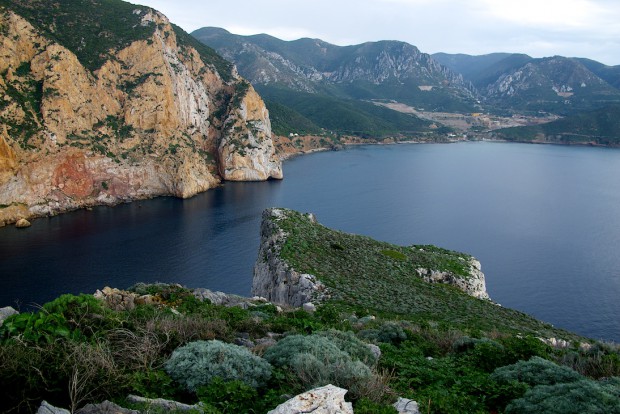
(154, 119)
(273, 278)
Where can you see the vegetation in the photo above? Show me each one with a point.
(368, 276)
(92, 29)
(600, 127)
(285, 121)
(199, 363)
(76, 350)
(344, 116)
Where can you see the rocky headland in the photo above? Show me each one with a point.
(159, 115)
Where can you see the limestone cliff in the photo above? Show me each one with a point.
(274, 279)
(346, 260)
(157, 115)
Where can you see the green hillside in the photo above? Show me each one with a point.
(95, 29)
(344, 116)
(601, 127)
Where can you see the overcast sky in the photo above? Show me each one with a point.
(581, 28)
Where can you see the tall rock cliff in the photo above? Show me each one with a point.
(119, 107)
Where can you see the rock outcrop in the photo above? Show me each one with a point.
(474, 284)
(406, 406)
(273, 278)
(324, 400)
(6, 312)
(158, 117)
(47, 408)
(277, 281)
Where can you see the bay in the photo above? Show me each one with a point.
(543, 220)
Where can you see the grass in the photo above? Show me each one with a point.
(381, 278)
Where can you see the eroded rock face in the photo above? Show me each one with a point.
(474, 284)
(324, 400)
(155, 119)
(273, 278)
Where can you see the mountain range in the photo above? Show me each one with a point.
(315, 80)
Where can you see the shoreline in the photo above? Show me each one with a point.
(22, 212)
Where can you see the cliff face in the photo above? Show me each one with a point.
(277, 280)
(155, 118)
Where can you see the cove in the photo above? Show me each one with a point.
(543, 220)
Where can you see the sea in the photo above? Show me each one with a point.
(544, 221)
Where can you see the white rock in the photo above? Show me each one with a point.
(309, 307)
(324, 400)
(6, 312)
(46, 408)
(406, 406)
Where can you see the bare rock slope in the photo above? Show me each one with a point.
(155, 117)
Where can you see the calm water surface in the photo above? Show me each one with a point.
(543, 220)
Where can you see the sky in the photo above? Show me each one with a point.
(573, 28)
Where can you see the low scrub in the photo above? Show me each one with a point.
(199, 363)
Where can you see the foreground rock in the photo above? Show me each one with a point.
(406, 406)
(163, 405)
(324, 400)
(105, 407)
(158, 117)
(47, 408)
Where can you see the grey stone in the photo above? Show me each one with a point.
(105, 407)
(324, 400)
(47, 408)
(166, 405)
(309, 307)
(5, 313)
(406, 406)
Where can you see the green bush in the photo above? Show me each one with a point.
(198, 363)
(578, 397)
(349, 343)
(316, 361)
(536, 371)
(388, 333)
(228, 397)
(365, 406)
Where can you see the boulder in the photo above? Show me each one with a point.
(22, 223)
(105, 407)
(162, 404)
(309, 307)
(324, 400)
(6, 312)
(47, 408)
(406, 406)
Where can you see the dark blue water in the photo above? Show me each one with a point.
(543, 220)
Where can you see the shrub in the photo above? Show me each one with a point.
(389, 333)
(536, 371)
(317, 360)
(349, 343)
(198, 363)
(228, 397)
(578, 397)
(366, 406)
